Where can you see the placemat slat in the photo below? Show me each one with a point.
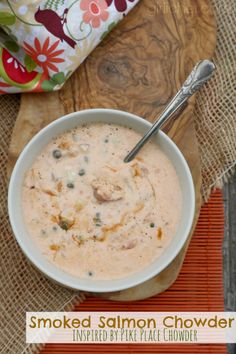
(199, 287)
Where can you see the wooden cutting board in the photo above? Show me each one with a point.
(137, 68)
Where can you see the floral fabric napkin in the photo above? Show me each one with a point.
(43, 42)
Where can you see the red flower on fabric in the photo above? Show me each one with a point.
(45, 55)
(120, 5)
(95, 11)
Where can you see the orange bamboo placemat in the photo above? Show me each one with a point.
(199, 287)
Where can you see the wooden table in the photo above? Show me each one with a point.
(137, 68)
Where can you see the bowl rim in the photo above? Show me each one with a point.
(93, 288)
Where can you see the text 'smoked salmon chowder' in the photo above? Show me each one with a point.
(87, 219)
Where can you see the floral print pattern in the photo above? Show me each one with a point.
(120, 5)
(49, 39)
(95, 11)
(45, 56)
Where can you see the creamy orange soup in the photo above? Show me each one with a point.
(93, 215)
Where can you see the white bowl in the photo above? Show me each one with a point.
(33, 149)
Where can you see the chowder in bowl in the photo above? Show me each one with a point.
(87, 219)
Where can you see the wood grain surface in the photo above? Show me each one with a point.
(137, 68)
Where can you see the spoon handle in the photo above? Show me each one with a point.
(200, 74)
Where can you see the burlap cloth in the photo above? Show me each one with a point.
(22, 287)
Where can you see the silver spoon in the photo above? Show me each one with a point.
(200, 74)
